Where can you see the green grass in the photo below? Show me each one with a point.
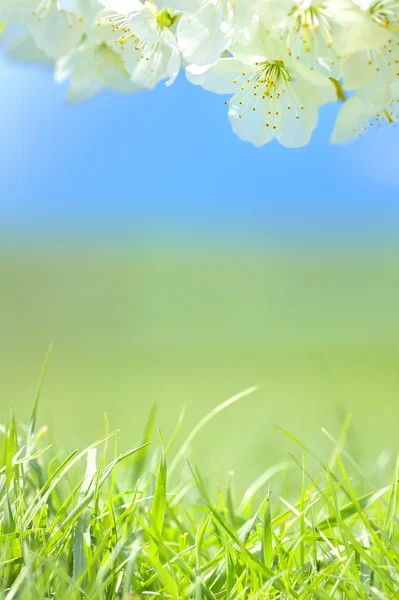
(100, 524)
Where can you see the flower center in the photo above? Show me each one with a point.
(386, 12)
(308, 21)
(164, 18)
(270, 73)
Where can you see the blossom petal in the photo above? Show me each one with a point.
(219, 78)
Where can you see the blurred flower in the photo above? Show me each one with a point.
(370, 56)
(356, 115)
(53, 29)
(92, 68)
(21, 47)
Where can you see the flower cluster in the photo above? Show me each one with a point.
(278, 60)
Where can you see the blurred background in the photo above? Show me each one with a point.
(170, 263)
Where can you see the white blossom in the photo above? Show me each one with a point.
(90, 69)
(142, 34)
(56, 26)
(278, 60)
(357, 115)
(204, 29)
(273, 96)
(370, 56)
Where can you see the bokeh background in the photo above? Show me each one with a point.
(170, 263)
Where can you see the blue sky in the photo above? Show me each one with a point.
(164, 165)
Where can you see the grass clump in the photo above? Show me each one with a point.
(136, 526)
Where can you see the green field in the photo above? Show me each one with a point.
(319, 334)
